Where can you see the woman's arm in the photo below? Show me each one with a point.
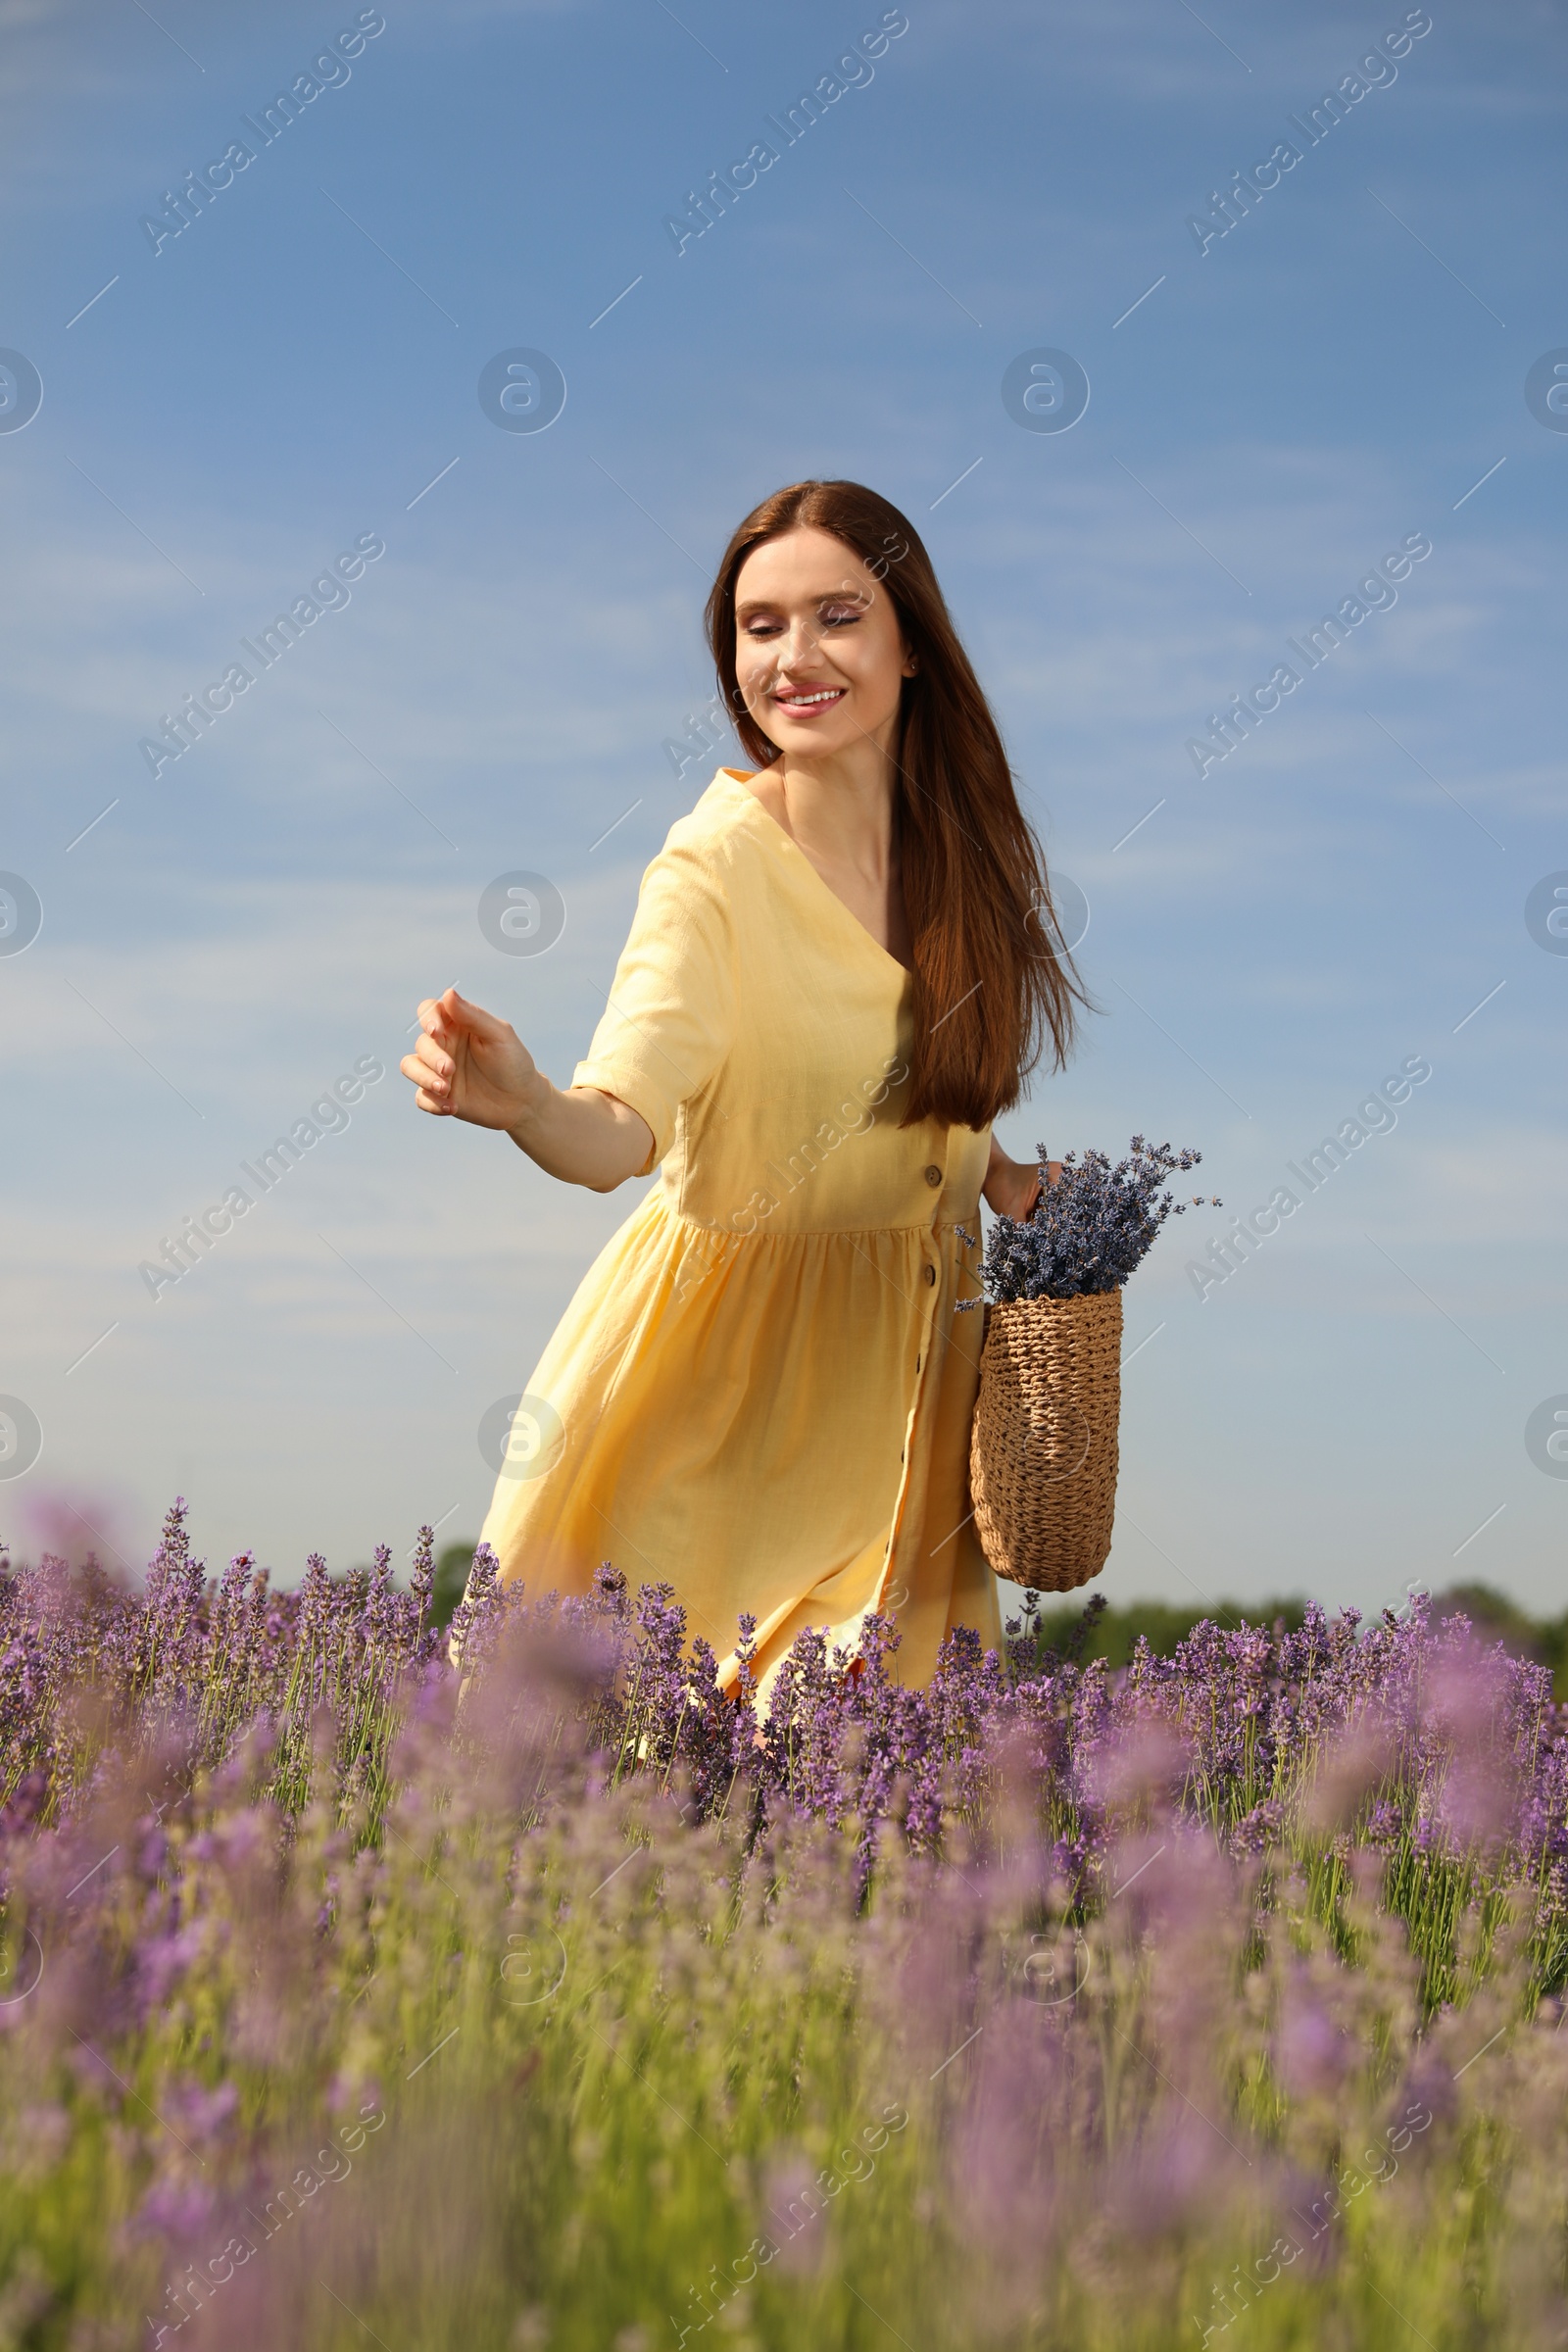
(1012, 1186)
(469, 1065)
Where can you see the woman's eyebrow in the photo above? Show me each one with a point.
(775, 604)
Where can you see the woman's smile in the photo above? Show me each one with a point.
(799, 700)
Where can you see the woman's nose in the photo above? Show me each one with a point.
(801, 640)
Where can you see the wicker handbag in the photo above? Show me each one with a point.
(1043, 1453)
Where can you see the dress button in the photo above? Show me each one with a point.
(933, 1174)
(930, 1274)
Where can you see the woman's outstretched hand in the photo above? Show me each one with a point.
(1012, 1186)
(470, 1065)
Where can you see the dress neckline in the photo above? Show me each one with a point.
(735, 778)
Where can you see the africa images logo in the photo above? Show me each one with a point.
(180, 730)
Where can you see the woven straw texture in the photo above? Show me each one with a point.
(1043, 1454)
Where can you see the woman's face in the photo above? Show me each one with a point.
(819, 650)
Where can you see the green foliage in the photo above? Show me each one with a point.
(1497, 1618)
(1165, 1625)
(452, 1567)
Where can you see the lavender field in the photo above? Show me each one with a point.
(565, 2002)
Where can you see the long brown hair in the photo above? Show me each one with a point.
(993, 975)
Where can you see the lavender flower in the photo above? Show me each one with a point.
(1088, 1229)
(1389, 1733)
(1159, 1963)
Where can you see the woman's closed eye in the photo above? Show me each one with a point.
(837, 615)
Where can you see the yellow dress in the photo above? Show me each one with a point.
(760, 1392)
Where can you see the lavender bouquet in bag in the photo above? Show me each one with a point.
(1088, 1230)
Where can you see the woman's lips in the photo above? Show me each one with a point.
(802, 701)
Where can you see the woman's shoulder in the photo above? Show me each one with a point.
(720, 827)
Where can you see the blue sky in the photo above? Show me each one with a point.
(1269, 416)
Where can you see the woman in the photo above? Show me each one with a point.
(840, 968)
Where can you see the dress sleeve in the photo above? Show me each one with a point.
(667, 1026)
